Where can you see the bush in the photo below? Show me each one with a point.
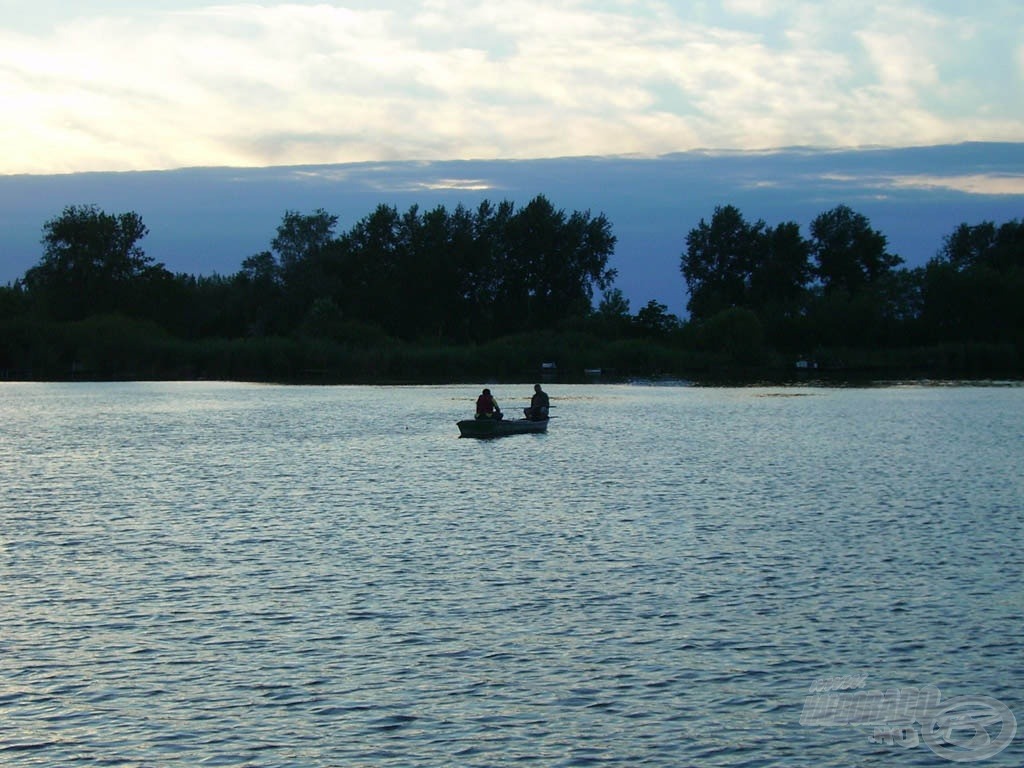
(735, 336)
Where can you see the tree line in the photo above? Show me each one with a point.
(841, 287)
(456, 275)
(469, 278)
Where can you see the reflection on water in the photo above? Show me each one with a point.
(227, 574)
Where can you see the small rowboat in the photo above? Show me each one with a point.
(500, 427)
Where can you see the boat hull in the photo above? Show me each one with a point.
(494, 428)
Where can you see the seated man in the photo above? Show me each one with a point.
(539, 404)
(487, 406)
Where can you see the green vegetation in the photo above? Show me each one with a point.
(841, 299)
(492, 292)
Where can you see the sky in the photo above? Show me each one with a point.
(112, 85)
(211, 119)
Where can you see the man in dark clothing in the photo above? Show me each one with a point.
(539, 404)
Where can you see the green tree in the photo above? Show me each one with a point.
(858, 302)
(985, 245)
(373, 255)
(259, 292)
(654, 319)
(719, 260)
(781, 271)
(13, 300)
(552, 264)
(465, 309)
(300, 237)
(735, 335)
(302, 244)
(850, 256)
(614, 305)
(973, 289)
(92, 263)
(472, 275)
(780, 286)
(487, 261)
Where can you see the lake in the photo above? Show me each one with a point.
(226, 574)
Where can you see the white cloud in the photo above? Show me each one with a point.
(972, 184)
(241, 84)
(758, 8)
(967, 183)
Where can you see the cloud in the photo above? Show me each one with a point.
(757, 8)
(971, 184)
(254, 85)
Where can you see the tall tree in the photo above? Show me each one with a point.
(301, 244)
(488, 257)
(430, 282)
(554, 262)
(590, 245)
(858, 282)
(974, 287)
(781, 271)
(614, 305)
(655, 319)
(465, 267)
(850, 255)
(719, 260)
(300, 236)
(374, 254)
(780, 286)
(260, 292)
(92, 262)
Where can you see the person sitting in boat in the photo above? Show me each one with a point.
(487, 406)
(539, 404)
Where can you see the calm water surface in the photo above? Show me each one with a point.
(242, 575)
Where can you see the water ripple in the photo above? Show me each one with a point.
(235, 575)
